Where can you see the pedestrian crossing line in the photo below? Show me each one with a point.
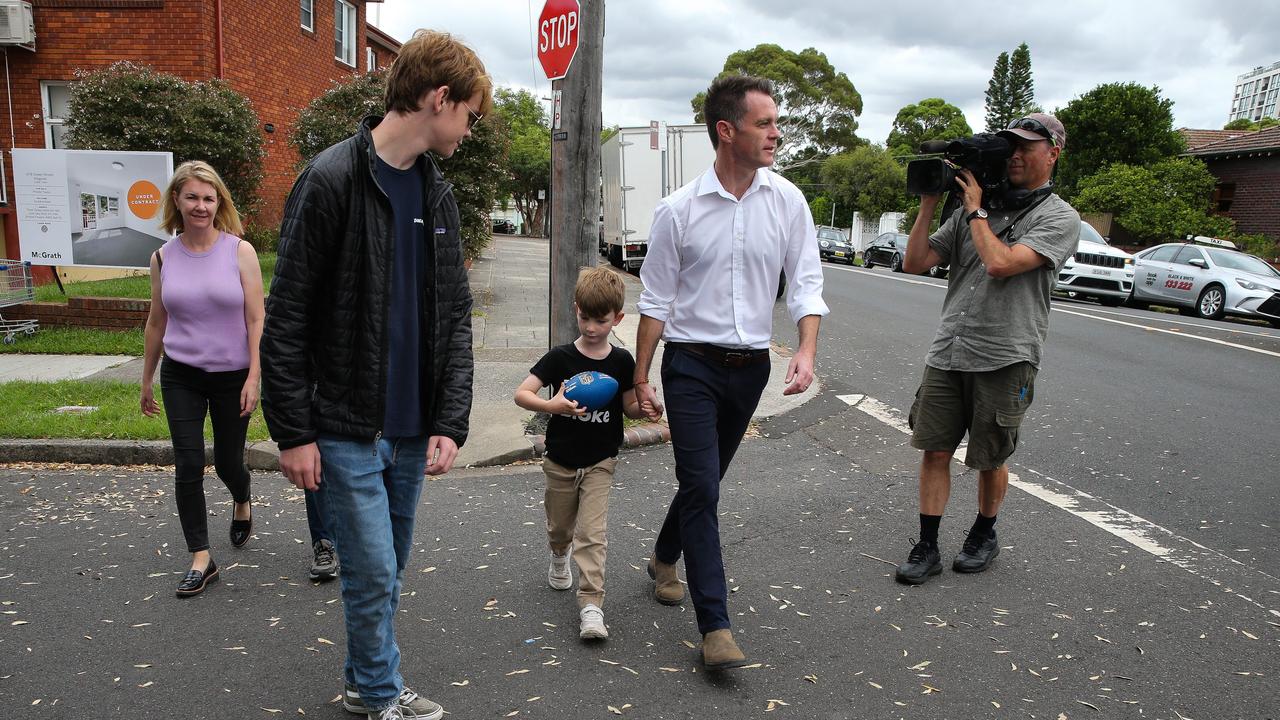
(1199, 560)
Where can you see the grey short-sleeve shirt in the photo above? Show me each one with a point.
(989, 322)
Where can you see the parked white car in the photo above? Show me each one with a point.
(1097, 270)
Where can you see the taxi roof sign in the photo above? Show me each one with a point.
(1205, 240)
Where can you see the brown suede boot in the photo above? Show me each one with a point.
(719, 651)
(666, 586)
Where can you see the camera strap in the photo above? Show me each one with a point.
(1023, 214)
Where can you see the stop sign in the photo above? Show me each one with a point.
(558, 36)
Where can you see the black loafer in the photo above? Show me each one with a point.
(240, 531)
(194, 582)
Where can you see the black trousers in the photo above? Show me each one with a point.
(189, 394)
(709, 406)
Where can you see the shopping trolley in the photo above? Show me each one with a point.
(16, 288)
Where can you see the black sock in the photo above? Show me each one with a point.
(929, 528)
(983, 526)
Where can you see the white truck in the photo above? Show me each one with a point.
(640, 166)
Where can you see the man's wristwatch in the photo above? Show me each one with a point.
(979, 213)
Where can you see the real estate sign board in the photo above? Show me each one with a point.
(90, 207)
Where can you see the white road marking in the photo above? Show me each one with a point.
(1201, 561)
(1090, 316)
(1174, 333)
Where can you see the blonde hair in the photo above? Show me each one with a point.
(226, 219)
(432, 59)
(599, 291)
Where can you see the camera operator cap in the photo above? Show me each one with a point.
(1038, 126)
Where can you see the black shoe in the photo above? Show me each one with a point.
(977, 553)
(194, 582)
(325, 564)
(240, 530)
(924, 562)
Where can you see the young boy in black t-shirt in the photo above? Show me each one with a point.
(582, 445)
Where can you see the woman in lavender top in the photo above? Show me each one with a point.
(206, 318)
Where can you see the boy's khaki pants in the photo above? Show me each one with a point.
(577, 505)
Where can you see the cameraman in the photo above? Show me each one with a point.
(980, 372)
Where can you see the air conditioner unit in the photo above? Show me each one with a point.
(16, 24)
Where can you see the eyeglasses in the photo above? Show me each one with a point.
(475, 116)
(1034, 126)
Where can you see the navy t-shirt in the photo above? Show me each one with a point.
(578, 442)
(408, 278)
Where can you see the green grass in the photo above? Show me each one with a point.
(130, 287)
(26, 411)
(51, 340)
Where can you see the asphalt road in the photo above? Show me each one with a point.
(1088, 612)
(1170, 418)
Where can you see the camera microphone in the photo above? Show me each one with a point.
(930, 147)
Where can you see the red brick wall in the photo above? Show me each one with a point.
(266, 55)
(280, 67)
(100, 313)
(1256, 207)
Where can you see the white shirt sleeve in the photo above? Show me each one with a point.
(802, 265)
(660, 272)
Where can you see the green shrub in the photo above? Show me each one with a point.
(475, 170)
(263, 239)
(132, 107)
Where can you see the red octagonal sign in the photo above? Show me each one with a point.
(558, 36)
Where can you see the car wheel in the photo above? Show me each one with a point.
(896, 263)
(1212, 303)
(937, 271)
(1135, 303)
(866, 263)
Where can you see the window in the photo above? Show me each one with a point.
(344, 25)
(55, 98)
(309, 15)
(1188, 254)
(1163, 254)
(370, 60)
(1223, 195)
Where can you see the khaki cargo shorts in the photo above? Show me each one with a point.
(988, 405)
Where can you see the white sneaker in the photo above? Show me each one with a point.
(558, 575)
(592, 627)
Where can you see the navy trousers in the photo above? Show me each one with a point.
(708, 409)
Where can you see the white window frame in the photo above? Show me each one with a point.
(46, 107)
(308, 11)
(344, 27)
(370, 59)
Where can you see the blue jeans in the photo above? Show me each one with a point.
(708, 409)
(371, 491)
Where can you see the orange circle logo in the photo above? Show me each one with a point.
(144, 199)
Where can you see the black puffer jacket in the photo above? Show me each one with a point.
(324, 364)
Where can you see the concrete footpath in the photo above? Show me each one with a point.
(510, 284)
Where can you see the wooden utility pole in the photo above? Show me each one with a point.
(575, 170)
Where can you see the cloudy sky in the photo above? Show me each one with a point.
(660, 53)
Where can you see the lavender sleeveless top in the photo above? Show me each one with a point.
(202, 294)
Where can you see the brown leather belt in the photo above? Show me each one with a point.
(728, 357)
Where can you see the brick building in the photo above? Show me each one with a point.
(1247, 166)
(278, 53)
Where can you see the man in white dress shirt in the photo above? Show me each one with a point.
(716, 248)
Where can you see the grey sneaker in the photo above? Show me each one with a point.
(409, 705)
(558, 575)
(325, 564)
(592, 623)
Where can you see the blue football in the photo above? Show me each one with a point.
(591, 390)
